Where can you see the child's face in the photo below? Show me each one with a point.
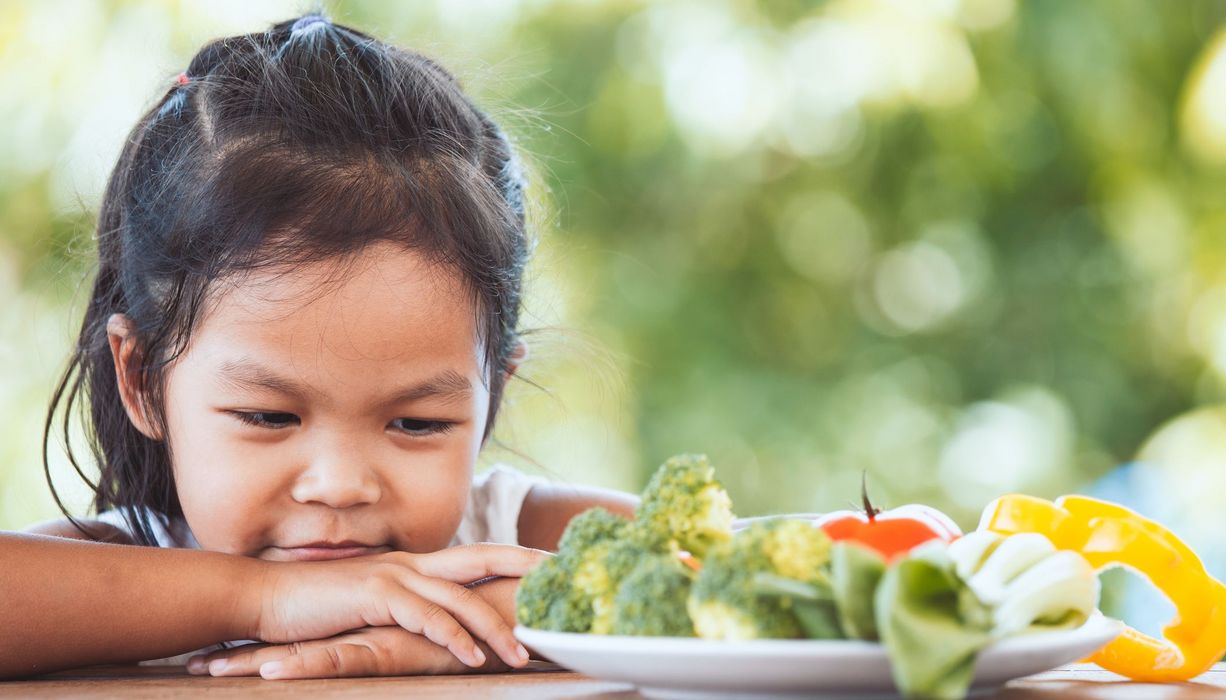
(368, 396)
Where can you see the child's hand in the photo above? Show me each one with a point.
(372, 651)
(421, 593)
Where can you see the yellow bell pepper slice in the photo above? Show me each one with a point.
(1110, 535)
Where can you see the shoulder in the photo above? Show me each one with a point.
(507, 506)
(493, 506)
(120, 525)
(97, 530)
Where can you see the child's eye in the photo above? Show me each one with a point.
(413, 426)
(265, 419)
(274, 421)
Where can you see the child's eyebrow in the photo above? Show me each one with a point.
(447, 385)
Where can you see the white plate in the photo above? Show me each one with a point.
(677, 668)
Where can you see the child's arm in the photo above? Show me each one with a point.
(68, 603)
(549, 507)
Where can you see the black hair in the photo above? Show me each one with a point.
(308, 141)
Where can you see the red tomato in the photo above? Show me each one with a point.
(893, 532)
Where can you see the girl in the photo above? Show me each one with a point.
(304, 317)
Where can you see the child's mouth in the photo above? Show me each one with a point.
(323, 552)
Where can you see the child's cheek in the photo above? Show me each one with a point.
(226, 501)
(430, 488)
(431, 506)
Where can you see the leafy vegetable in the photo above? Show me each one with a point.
(940, 605)
(812, 604)
(856, 571)
(1026, 580)
(930, 624)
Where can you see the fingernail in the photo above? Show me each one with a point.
(479, 656)
(196, 665)
(272, 669)
(218, 667)
(521, 652)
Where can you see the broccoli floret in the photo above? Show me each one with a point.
(725, 602)
(573, 591)
(796, 549)
(546, 599)
(535, 595)
(600, 575)
(684, 507)
(588, 528)
(652, 599)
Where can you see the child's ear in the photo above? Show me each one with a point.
(519, 353)
(125, 352)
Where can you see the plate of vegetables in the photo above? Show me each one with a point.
(685, 601)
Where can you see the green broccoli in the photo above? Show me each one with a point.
(652, 599)
(588, 528)
(726, 601)
(604, 568)
(684, 507)
(573, 591)
(547, 600)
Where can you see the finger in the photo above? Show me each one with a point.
(199, 664)
(410, 655)
(474, 613)
(328, 661)
(473, 562)
(246, 661)
(416, 614)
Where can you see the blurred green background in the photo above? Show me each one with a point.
(968, 246)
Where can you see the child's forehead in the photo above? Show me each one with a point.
(383, 304)
(383, 264)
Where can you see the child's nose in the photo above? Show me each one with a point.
(339, 479)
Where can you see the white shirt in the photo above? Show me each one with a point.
(491, 515)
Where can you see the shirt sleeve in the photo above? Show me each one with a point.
(492, 514)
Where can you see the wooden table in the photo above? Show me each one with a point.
(539, 680)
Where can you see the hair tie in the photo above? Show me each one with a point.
(308, 22)
(182, 79)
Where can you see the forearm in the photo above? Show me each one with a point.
(548, 509)
(69, 603)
